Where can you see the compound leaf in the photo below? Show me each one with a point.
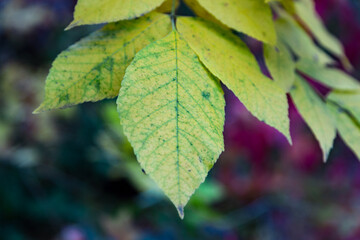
(229, 59)
(253, 18)
(104, 11)
(92, 69)
(315, 114)
(172, 111)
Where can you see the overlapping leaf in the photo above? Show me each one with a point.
(253, 17)
(290, 33)
(331, 77)
(195, 6)
(348, 100)
(104, 11)
(288, 4)
(306, 11)
(280, 64)
(172, 111)
(348, 127)
(166, 7)
(93, 68)
(315, 114)
(229, 59)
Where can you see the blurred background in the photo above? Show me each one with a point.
(71, 175)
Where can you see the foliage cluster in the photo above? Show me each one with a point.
(166, 71)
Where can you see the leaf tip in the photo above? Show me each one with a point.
(72, 25)
(180, 210)
(288, 137)
(37, 110)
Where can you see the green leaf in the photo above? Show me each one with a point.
(253, 18)
(92, 69)
(172, 111)
(330, 77)
(281, 65)
(348, 127)
(104, 11)
(348, 100)
(229, 59)
(307, 13)
(315, 114)
(291, 34)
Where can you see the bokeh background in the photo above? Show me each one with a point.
(71, 175)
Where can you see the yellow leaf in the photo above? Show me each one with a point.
(252, 17)
(92, 69)
(198, 10)
(315, 114)
(348, 128)
(229, 59)
(331, 77)
(104, 11)
(288, 4)
(166, 7)
(172, 111)
(279, 61)
(347, 100)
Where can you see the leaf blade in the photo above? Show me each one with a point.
(348, 128)
(92, 69)
(253, 17)
(229, 59)
(314, 112)
(173, 121)
(330, 77)
(96, 12)
(291, 34)
(305, 9)
(347, 100)
(281, 65)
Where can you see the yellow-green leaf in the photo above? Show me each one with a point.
(348, 100)
(172, 111)
(92, 69)
(229, 59)
(104, 11)
(195, 6)
(253, 18)
(306, 11)
(288, 4)
(348, 128)
(315, 113)
(331, 77)
(166, 7)
(280, 63)
(290, 33)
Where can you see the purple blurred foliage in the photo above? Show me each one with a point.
(298, 173)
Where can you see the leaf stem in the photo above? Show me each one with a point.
(173, 14)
